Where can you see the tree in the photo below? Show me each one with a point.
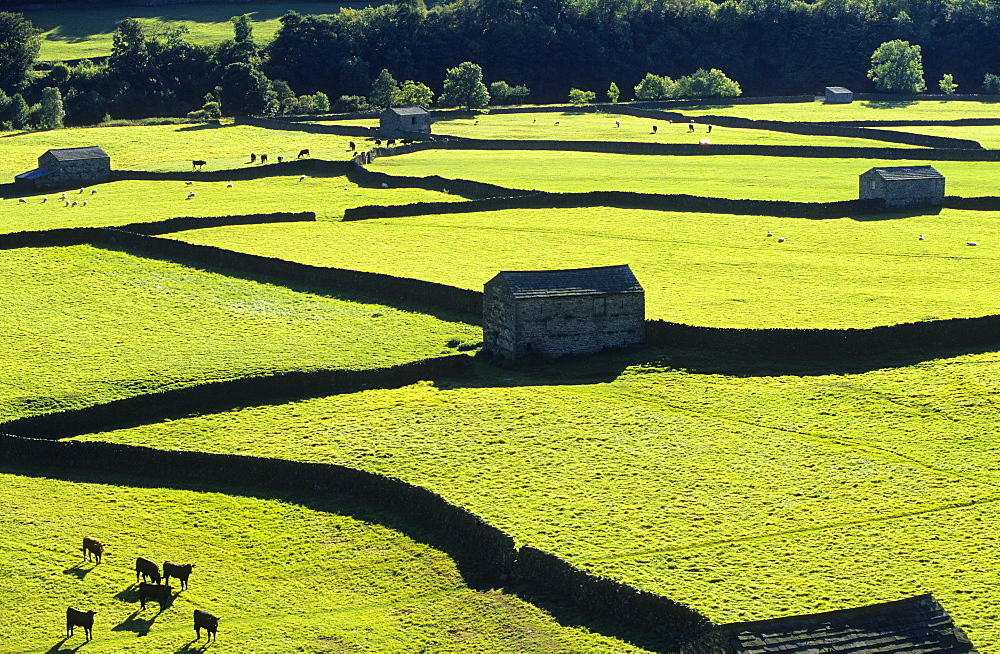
(382, 89)
(947, 84)
(576, 96)
(897, 68)
(246, 91)
(463, 87)
(51, 112)
(706, 84)
(412, 94)
(613, 92)
(991, 84)
(60, 72)
(653, 87)
(322, 102)
(19, 44)
(20, 113)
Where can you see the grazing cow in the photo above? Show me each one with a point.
(390, 143)
(92, 546)
(406, 141)
(158, 592)
(148, 569)
(654, 129)
(22, 201)
(690, 127)
(78, 618)
(253, 157)
(207, 621)
(557, 122)
(181, 572)
(197, 163)
(263, 158)
(378, 143)
(351, 146)
(303, 153)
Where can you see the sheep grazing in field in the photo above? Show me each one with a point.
(972, 243)
(22, 201)
(188, 183)
(345, 188)
(67, 203)
(159, 592)
(920, 238)
(770, 234)
(92, 546)
(384, 185)
(207, 621)
(82, 190)
(148, 569)
(190, 195)
(78, 618)
(83, 204)
(177, 571)
(197, 163)
(93, 191)
(302, 178)
(45, 199)
(62, 197)
(303, 153)
(74, 203)
(781, 239)
(280, 158)
(618, 123)
(263, 158)
(229, 186)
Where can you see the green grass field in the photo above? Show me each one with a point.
(80, 34)
(737, 176)
(714, 270)
(988, 136)
(87, 325)
(821, 112)
(717, 490)
(333, 583)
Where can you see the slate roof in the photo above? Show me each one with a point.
(77, 154)
(837, 89)
(916, 625)
(896, 173)
(408, 111)
(603, 280)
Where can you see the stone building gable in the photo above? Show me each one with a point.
(916, 625)
(581, 281)
(398, 122)
(838, 95)
(68, 167)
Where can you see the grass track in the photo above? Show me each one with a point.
(391, 594)
(696, 268)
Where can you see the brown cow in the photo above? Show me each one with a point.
(148, 569)
(181, 572)
(92, 546)
(78, 618)
(158, 592)
(207, 621)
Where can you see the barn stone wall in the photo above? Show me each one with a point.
(902, 192)
(82, 172)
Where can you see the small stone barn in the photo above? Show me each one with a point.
(839, 95)
(400, 122)
(66, 167)
(553, 313)
(916, 625)
(903, 186)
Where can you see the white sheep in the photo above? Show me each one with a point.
(920, 238)
(93, 191)
(972, 243)
(74, 203)
(67, 203)
(618, 123)
(770, 234)
(302, 178)
(384, 185)
(82, 190)
(229, 186)
(190, 194)
(62, 197)
(781, 239)
(22, 201)
(45, 199)
(188, 183)
(84, 203)
(345, 188)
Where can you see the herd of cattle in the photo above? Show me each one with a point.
(150, 588)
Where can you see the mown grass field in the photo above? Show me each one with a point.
(737, 176)
(602, 127)
(715, 270)
(329, 583)
(747, 497)
(88, 33)
(987, 135)
(87, 325)
(860, 110)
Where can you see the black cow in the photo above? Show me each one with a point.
(378, 143)
(148, 569)
(78, 618)
(92, 546)
(253, 157)
(263, 158)
(158, 592)
(654, 129)
(351, 146)
(390, 143)
(181, 572)
(303, 153)
(198, 163)
(207, 621)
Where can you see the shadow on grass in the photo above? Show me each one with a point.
(59, 649)
(201, 126)
(889, 104)
(193, 647)
(77, 571)
(895, 215)
(135, 624)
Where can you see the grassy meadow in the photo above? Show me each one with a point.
(859, 110)
(714, 270)
(726, 176)
(714, 489)
(82, 34)
(390, 594)
(87, 325)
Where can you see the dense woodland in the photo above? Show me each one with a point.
(770, 47)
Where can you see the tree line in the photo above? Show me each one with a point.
(534, 50)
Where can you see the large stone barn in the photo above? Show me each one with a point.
(838, 95)
(553, 313)
(67, 167)
(401, 122)
(903, 186)
(918, 625)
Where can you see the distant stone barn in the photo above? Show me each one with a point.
(67, 167)
(839, 95)
(903, 186)
(400, 122)
(553, 313)
(917, 625)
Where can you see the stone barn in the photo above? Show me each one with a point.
(903, 186)
(402, 122)
(553, 313)
(839, 95)
(68, 167)
(918, 625)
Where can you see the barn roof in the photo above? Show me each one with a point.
(603, 280)
(917, 625)
(77, 154)
(408, 111)
(837, 89)
(896, 173)
(35, 174)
